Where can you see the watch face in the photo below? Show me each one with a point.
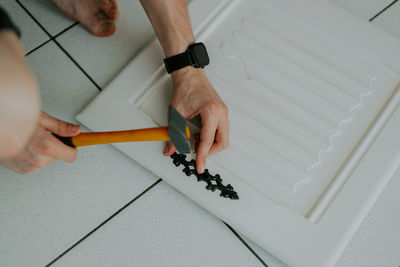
(200, 54)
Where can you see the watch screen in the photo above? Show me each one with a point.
(200, 53)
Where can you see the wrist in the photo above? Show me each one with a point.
(177, 47)
(188, 71)
(195, 56)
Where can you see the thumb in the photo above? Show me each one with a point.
(59, 127)
(169, 149)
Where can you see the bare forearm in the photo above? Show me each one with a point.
(170, 20)
(19, 98)
(193, 94)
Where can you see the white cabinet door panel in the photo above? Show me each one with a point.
(313, 108)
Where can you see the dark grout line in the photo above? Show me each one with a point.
(247, 245)
(383, 10)
(66, 29)
(76, 63)
(32, 17)
(37, 47)
(53, 38)
(104, 222)
(58, 44)
(49, 40)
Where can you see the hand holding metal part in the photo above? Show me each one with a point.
(195, 96)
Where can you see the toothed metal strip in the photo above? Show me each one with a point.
(214, 182)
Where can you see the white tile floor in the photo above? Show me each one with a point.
(48, 15)
(103, 58)
(365, 9)
(44, 214)
(32, 34)
(390, 21)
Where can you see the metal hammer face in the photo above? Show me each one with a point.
(179, 132)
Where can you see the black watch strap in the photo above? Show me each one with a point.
(178, 61)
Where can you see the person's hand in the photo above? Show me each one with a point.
(43, 148)
(194, 95)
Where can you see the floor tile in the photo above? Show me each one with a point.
(64, 89)
(31, 34)
(390, 20)
(43, 214)
(267, 257)
(48, 15)
(162, 228)
(365, 9)
(103, 58)
(377, 241)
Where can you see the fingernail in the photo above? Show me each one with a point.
(201, 168)
(166, 149)
(107, 27)
(73, 127)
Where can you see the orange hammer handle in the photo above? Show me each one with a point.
(97, 138)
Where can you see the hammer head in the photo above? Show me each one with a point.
(179, 132)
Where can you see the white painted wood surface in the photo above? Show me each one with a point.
(309, 100)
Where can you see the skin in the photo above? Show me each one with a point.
(43, 148)
(193, 94)
(25, 138)
(85, 11)
(26, 144)
(19, 99)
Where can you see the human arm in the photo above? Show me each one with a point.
(26, 143)
(42, 147)
(193, 94)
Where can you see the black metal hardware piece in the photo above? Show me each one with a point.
(213, 181)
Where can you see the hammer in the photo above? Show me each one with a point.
(178, 132)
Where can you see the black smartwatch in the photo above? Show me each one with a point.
(195, 56)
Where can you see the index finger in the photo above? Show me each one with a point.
(207, 136)
(59, 150)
